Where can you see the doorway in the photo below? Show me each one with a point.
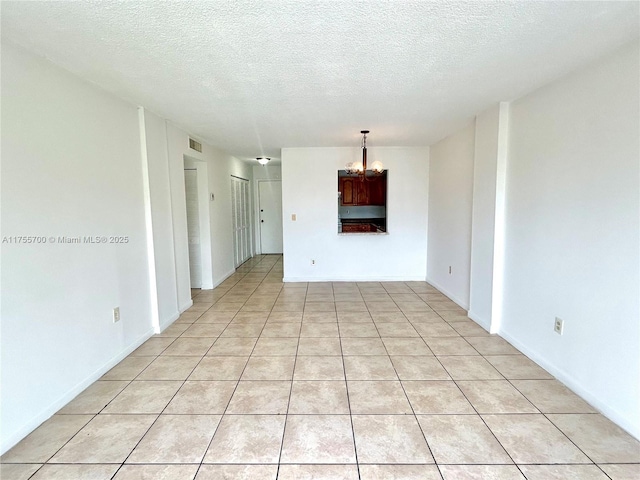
(193, 226)
(196, 186)
(270, 206)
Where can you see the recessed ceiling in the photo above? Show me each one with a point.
(254, 76)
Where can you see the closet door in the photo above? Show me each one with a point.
(241, 220)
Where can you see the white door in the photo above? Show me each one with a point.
(241, 220)
(270, 198)
(248, 230)
(193, 227)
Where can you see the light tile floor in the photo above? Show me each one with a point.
(265, 380)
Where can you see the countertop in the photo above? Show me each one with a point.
(379, 223)
(349, 234)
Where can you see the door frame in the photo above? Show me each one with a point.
(195, 220)
(202, 176)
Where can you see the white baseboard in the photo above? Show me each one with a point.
(220, 279)
(570, 382)
(185, 306)
(167, 323)
(44, 415)
(480, 321)
(451, 296)
(352, 279)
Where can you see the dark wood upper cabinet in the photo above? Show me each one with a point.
(362, 192)
(346, 186)
(378, 191)
(356, 191)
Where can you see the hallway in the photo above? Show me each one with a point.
(264, 380)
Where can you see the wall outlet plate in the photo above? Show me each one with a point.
(558, 326)
(116, 314)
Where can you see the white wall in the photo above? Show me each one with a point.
(450, 207)
(310, 190)
(204, 223)
(483, 215)
(487, 224)
(155, 134)
(572, 233)
(71, 166)
(77, 161)
(177, 148)
(219, 167)
(269, 172)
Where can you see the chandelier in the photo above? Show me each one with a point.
(360, 168)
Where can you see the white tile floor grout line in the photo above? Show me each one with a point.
(375, 330)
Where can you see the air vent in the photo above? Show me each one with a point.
(195, 145)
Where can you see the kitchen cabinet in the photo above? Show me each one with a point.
(358, 227)
(346, 189)
(377, 191)
(355, 191)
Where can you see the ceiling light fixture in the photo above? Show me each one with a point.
(263, 160)
(360, 168)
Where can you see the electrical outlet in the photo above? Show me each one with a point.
(449, 269)
(116, 314)
(313, 262)
(558, 326)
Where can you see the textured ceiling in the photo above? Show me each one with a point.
(254, 76)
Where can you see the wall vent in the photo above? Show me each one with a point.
(195, 145)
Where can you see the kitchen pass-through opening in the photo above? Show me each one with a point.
(362, 202)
